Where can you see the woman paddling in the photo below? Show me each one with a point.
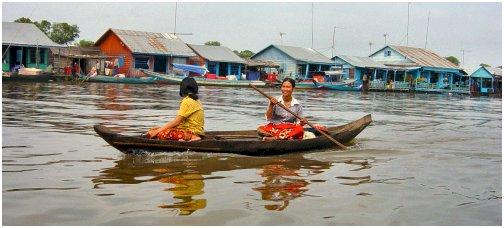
(190, 120)
(282, 124)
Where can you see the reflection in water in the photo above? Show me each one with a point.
(186, 186)
(284, 178)
(280, 185)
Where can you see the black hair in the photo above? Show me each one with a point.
(292, 82)
(189, 87)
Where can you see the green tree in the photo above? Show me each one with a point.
(246, 54)
(453, 60)
(484, 65)
(213, 43)
(44, 26)
(63, 33)
(23, 20)
(85, 43)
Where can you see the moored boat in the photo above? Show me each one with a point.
(125, 80)
(43, 77)
(339, 86)
(174, 79)
(237, 142)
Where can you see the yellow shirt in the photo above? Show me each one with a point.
(194, 116)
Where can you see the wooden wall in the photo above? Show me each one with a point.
(113, 46)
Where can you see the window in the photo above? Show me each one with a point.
(33, 55)
(141, 62)
(41, 56)
(388, 53)
(234, 69)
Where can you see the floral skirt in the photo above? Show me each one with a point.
(284, 130)
(175, 134)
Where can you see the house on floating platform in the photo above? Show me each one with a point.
(24, 43)
(143, 50)
(294, 62)
(356, 67)
(486, 80)
(430, 72)
(219, 60)
(86, 57)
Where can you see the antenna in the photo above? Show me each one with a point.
(370, 44)
(281, 36)
(463, 55)
(407, 27)
(175, 27)
(334, 32)
(312, 25)
(385, 36)
(427, 33)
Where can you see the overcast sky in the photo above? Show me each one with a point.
(476, 27)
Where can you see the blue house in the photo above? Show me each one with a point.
(24, 43)
(294, 62)
(487, 79)
(355, 67)
(219, 60)
(429, 71)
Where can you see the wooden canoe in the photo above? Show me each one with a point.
(236, 142)
(128, 80)
(174, 79)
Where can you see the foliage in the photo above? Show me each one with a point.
(85, 43)
(453, 60)
(44, 26)
(60, 33)
(63, 33)
(213, 43)
(484, 65)
(23, 20)
(245, 54)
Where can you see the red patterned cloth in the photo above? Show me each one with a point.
(174, 134)
(284, 130)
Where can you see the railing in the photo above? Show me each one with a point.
(377, 85)
(401, 85)
(426, 86)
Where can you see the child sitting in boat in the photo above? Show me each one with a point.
(190, 120)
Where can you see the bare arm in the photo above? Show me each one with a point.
(269, 112)
(173, 123)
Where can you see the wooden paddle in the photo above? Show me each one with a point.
(294, 114)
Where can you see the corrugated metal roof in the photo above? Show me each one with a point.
(153, 43)
(301, 54)
(24, 34)
(494, 71)
(261, 63)
(216, 53)
(359, 61)
(423, 57)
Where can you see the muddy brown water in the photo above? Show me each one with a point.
(427, 159)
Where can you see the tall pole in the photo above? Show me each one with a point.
(463, 55)
(427, 33)
(312, 25)
(332, 47)
(175, 27)
(385, 36)
(370, 44)
(407, 27)
(281, 37)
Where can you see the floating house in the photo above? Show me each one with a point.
(430, 72)
(487, 80)
(88, 57)
(24, 43)
(143, 50)
(219, 60)
(355, 67)
(294, 62)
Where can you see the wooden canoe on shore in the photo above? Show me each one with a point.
(237, 142)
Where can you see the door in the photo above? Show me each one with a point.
(160, 64)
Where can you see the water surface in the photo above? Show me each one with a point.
(427, 159)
